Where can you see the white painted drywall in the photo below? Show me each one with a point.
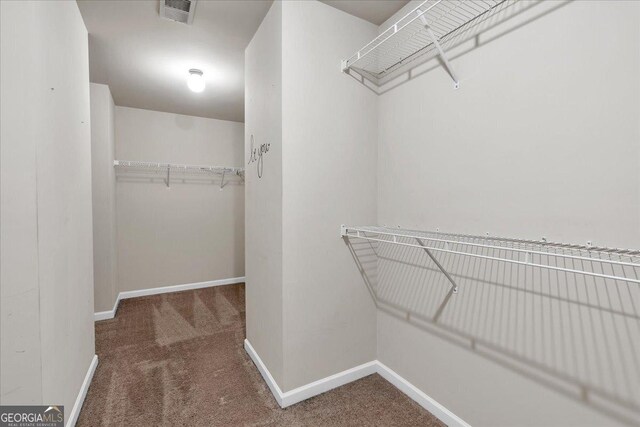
(308, 315)
(20, 365)
(105, 270)
(192, 231)
(541, 139)
(47, 250)
(263, 221)
(328, 178)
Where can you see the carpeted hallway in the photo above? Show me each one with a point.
(178, 360)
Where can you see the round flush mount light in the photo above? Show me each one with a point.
(195, 80)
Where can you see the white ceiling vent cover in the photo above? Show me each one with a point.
(178, 10)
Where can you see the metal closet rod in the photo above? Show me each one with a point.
(414, 14)
(361, 233)
(186, 169)
(431, 27)
(176, 166)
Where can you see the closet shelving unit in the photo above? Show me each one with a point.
(604, 263)
(423, 33)
(167, 170)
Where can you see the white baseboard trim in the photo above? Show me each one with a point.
(110, 314)
(427, 402)
(309, 390)
(325, 384)
(77, 406)
(262, 368)
(178, 288)
(329, 383)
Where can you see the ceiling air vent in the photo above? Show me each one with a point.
(178, 10)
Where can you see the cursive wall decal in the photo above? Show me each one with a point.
(255, 155)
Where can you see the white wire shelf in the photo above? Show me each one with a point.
(166, 170)
(604, 263)
(426, 31)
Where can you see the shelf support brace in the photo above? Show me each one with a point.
(455, 286)
(443, 56)
(222, 181)
(168, 176)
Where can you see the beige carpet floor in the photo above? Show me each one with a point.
(178, 360)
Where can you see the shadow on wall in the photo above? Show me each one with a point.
(151, 178)
(508, 16)
(576, 334)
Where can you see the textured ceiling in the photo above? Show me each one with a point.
(374, 11)
(145, 59)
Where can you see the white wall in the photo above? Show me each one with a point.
(192, 231)
(47, 262)
(329, 178)
(21, 349)
(541, 139)
(105, 270)
(263, 220)
(308, 316)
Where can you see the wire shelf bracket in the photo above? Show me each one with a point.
(435, 261)
(425, 32)
(443, 56)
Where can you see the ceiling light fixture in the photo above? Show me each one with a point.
(195, 80)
